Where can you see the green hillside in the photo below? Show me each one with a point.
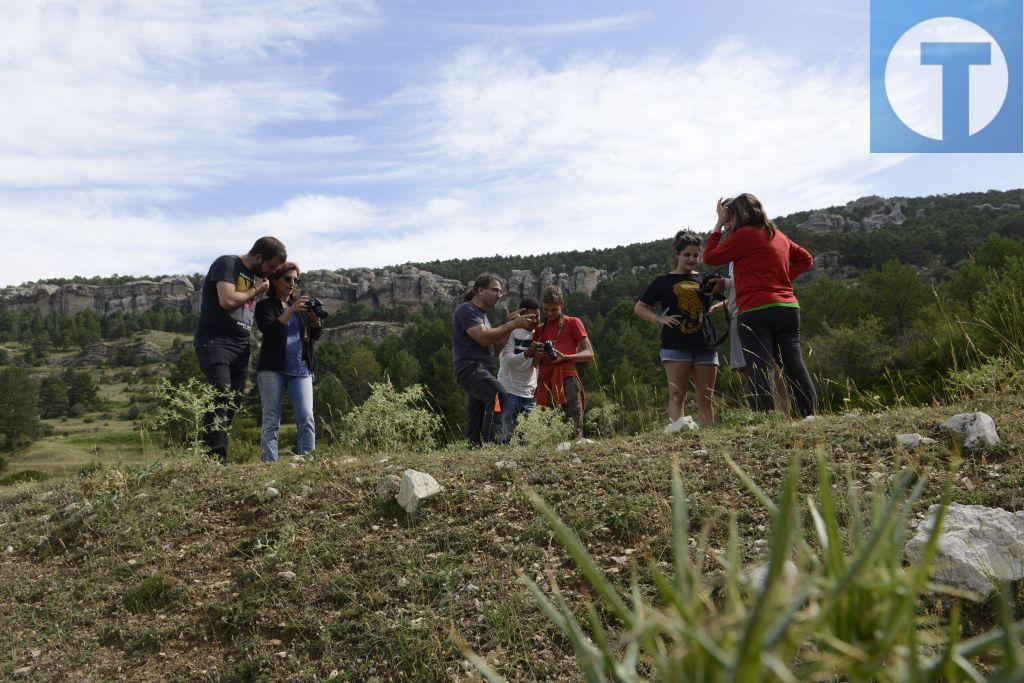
(170, 571)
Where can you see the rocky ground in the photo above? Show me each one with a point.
(189, 571)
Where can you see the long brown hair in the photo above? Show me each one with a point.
(746, 210)
(278, 273)
(483, 281)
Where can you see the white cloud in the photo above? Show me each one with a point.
(159, 95)
(499, 153)
(619, 22)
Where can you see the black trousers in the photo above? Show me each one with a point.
(482, 389)
(771, 333)
(225, 363)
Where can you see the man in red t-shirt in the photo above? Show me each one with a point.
(558, 382)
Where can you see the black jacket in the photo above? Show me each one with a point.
(275, 336)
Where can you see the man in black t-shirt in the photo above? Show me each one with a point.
(225, 322)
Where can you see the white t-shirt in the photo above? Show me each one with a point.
(517, 373)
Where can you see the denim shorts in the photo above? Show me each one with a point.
(695, 357)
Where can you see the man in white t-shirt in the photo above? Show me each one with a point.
(518, 374)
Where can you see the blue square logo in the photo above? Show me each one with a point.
(946, 76)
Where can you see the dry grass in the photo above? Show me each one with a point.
(379, 593)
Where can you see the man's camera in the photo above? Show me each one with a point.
(316, 307)
(549, 348)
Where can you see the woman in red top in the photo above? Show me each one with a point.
(765, 263)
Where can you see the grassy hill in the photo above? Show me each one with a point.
(169, 571)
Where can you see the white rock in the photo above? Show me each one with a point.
(912, 440)
(506, 464)
(977, 429)
(299, 459)
(402, 582)
(35, 654)
(69, 509)
(416, 486)
(271, 493)
(977, 545)
(756, 577)
(584, 442)
(22, 671)
(285, 577)
(9, 549)
(564, 446)
(811, 418)
(348, 461)
(685, 422)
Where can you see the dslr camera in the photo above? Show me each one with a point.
(317, 308)
(707, 282)
(549, 348)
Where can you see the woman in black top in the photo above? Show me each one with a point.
(287, 360)
(675, 303)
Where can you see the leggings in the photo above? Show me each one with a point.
(770, 333)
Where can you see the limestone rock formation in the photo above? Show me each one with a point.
(416, 486)
(977, 545)
(978, 430)
(374, 330)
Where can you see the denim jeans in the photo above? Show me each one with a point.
(300, 389)
(516, 406)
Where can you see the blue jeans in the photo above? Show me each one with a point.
(516, 406)
(300, 389)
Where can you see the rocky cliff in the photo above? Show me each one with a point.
(409, 287)
(866, 213)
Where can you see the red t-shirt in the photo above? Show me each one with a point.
(764, 267)
(567, 340)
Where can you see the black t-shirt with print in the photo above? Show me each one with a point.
(679, 294)
(214, 321)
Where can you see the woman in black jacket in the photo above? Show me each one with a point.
(287, 360)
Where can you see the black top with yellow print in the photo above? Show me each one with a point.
(677, 294)
(215, 322)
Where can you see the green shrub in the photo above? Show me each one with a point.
(390, 419)
(603, 419)
(23, 476)
(181, 409)
(831, 604)
(998, 376)
(542, 427)
(153, 593)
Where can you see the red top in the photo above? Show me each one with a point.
(567, 340)
(764, 267)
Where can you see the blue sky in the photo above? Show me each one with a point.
(148, 138)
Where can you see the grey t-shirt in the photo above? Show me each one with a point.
(465, 351)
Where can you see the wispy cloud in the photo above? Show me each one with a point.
(160, 95)
(493, 152)
(620, 22)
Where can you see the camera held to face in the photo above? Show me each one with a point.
(316, 307)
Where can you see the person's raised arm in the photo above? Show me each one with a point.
(517, 362)
(497, 336)
(230, 298)
(800, 260)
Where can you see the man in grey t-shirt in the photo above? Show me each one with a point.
(473, 344)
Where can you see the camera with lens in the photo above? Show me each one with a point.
(316, 307)
(707, 282)
(549, 348)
